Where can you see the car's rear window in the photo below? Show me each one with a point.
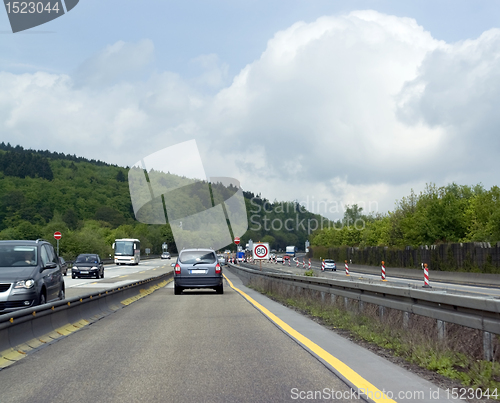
(329, 261)
(18, 255)
(192, 257)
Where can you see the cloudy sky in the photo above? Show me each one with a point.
(337, 102)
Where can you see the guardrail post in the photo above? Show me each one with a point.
(406, 319)
(441, 329)
(333, 299)
(381, 312)
(361, 306)
(487, 346)
(322, 296)
(346, 303)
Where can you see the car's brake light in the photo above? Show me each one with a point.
(217, 268)
(177, 269)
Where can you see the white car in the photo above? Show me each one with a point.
(221, 259)
(330, 265)
(279, 259)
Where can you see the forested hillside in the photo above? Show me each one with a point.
(89, 202)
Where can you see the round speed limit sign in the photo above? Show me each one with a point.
(261, 251)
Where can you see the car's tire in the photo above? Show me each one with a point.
(62, 294)
(42, 299)
(73, 276)
(102, 275)
(177, 290)
(65, 273)
(219, 289)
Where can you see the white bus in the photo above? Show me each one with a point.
(127, 251)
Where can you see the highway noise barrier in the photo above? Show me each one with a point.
(426, 277)
(383, 271)
(346, 268)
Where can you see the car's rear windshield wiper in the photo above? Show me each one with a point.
(194, 264)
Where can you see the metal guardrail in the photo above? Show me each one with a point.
(28, 329)
(482, 313)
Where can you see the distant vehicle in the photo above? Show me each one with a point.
(222, 259)
(88, 265)
(64, 265)
(291, 250)
(330, 265)
(198, 268)
(127, 251)
(30, 274)
(241, 256)
(279, 258)
(165, 255)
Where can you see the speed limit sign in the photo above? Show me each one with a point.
(261, 250)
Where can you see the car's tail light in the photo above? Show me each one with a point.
(217, 268)
(177, 269)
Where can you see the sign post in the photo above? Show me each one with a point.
(57, 236)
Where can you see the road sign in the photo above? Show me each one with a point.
(261, 250)
(57, 235)
(236, 240)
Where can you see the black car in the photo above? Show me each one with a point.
(64, 265)
(30, 274)
(88, 265)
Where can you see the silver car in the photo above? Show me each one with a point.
(197, 268)
(330, 265)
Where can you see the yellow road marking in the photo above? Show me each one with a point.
(353, 377)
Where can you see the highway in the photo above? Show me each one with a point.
(355, 275)
(116, 276)
(195, 347)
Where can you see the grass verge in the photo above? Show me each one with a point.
(457, 357)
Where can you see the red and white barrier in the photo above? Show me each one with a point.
(297, 262)
(426, 277)
(383, 271)
(283, 262)
(309, 263)
(303, 264)
(323, 265)
(346, 268)
(289, 264)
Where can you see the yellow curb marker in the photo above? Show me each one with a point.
(353, 377)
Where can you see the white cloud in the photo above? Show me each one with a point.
(352, 108)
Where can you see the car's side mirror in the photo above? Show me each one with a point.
(50, 265)
(172, 264)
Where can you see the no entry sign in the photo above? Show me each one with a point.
(236, 240)
(57, 235)
(261, 251)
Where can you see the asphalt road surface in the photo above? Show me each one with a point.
(194, 347)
